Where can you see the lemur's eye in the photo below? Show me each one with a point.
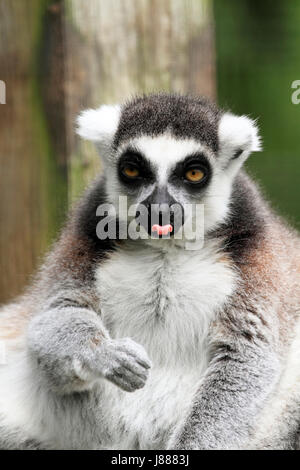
(130, 171)
(194, 175)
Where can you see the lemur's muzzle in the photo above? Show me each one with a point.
(160, 214)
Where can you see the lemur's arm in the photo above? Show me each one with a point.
(66, 339)
(72, 349)
(239, 378)
(278, 425)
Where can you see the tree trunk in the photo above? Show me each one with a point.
(33, 176)
(119, 48)
(58, 57)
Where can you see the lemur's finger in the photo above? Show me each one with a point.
(120, 382)
(128, 374)
(136, 351)
(131, 378)
(127, 381)
(133, 366)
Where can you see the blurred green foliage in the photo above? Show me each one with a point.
(257, 53)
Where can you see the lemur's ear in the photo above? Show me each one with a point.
(99, 125)
(238, 136)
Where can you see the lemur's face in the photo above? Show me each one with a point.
(164, 175)
(167, 155)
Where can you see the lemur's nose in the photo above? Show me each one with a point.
(164, 213)
(160, 196)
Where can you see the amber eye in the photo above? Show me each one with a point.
(194, 175)
(131, 171)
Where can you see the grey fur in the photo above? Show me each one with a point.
(184, 116)
(121, 361)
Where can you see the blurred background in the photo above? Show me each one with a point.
(58, 57)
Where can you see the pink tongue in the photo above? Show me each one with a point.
(162, 229)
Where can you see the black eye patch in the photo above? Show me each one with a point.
(192, 162)
(135, 161)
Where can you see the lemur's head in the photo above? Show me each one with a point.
(168, 152)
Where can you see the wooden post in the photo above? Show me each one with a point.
(58, 57)
(118, 48)
(32, 177)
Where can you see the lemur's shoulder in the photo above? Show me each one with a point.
(69, 262)
(246, 225)
(265, 251)
(78, 248)
(252, 224)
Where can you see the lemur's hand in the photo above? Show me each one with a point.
(72, 350)
(123, 362)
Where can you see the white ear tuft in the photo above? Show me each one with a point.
(99, 125)
(238, 133)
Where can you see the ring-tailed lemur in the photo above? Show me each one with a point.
(207, 339)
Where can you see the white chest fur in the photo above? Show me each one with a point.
(164, 300)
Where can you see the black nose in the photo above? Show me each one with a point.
(160, 208)
(161, 214)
